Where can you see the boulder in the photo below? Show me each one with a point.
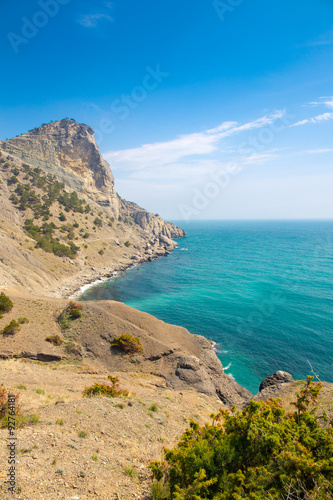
(277, 378)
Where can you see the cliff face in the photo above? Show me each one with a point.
(69, 151)
(110, 232)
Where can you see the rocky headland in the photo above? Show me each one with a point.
(62, 225)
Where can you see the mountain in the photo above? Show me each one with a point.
(62, 222)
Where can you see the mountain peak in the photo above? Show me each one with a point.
(68, 150)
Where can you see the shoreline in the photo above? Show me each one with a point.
(72, 288)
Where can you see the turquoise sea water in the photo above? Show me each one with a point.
(262, 290)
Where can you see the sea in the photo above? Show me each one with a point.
(261, 290)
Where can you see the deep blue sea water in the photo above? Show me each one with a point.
(262, 290)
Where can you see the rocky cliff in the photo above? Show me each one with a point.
(57, 173)
(69, 151)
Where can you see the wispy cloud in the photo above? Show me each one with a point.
(319, 151)
(92, 20)
(323, 101)
(184, 147)
(324, 39)
(316, 119)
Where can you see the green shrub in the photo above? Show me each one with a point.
(75, 313)
(261, 452)
(5, 303)
(127, 344)
(110, 391)
(70, 313)
(127, 244)
(153, 407)
(160, 490)
(22, 321)
(98, 222)
(54, 339)
(12, 328)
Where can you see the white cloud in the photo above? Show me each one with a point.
(323, 101)
(184, 146)
(316, 119)
(92, 20)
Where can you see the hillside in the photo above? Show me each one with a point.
(62, 223)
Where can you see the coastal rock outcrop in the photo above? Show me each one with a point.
(272, 386)
(110, 233)
(277, 378)
(69, 151)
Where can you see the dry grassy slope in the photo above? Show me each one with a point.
(171, 352)
(120, 436)
(25, 268)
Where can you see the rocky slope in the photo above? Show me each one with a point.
(111, 235)
(181, 359)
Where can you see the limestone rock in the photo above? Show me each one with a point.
(277, 378)
(69, 151)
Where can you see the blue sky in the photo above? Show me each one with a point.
(204, 109)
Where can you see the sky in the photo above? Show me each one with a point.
(205, 109)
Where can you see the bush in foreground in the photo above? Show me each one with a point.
(127, 344)
(259, 453)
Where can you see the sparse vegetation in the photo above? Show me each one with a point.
(33, 419)
(69, 314)
(6, 395)
(6, 304)
(110, 391)
(153, 407)
(127, 344)
(73, 348)
(131, 472)
(127, 243)
(22, 321)
(54, 339)
(50, 191)
(98, 222)
(12, 328)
